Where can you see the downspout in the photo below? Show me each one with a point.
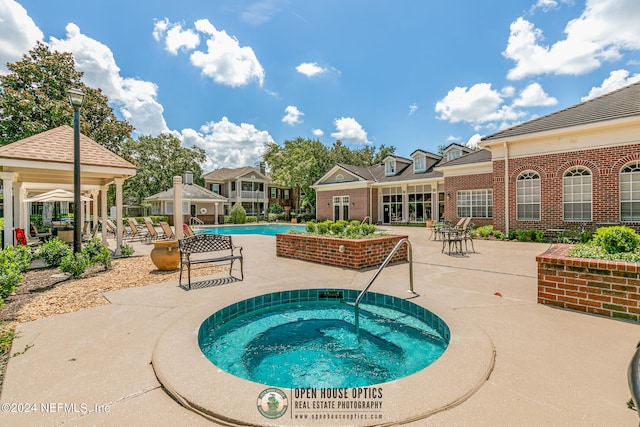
(506, 188)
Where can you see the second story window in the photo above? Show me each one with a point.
(390, 167)
(419, 164)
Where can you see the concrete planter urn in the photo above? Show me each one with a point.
(166, 254)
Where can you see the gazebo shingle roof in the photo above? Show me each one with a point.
(56, 145)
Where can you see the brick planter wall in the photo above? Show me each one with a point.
(606, 288)
(357, 255)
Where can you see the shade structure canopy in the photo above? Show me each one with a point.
(57, 195)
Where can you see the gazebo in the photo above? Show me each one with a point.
(44, 162)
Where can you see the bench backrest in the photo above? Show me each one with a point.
(205, 243)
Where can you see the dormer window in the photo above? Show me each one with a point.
(419, 164)
(390, 167)
(453, 154)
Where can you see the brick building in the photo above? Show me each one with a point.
(576, 167)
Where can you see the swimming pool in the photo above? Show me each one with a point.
(307, 339)
(264, 229)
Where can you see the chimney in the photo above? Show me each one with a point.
(188, 178)
(262, 167)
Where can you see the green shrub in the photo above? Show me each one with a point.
(97, 253)
(484, 231)
(238, 214)
(126, 250)
(276, 209)
(252, 219)
(522, 235)
(498, 234)
(19, 256)
(616, 239)
(338, 227)
(272, 217)
(537, 235)
(52, 252)
(322, 228)
(311, 226)
(75, 264)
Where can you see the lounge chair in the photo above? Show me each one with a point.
(151, 230)
(166, 229)
(135, 232)
(188, 232)
(112, 229)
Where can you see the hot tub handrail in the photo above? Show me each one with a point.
(383, 265)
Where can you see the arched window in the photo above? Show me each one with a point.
(576, 194)
(528, 196)
(630, 192)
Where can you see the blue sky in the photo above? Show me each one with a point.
(232, 75)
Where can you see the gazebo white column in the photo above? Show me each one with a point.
(215, 210)
(119, 226)
(103, 212)
(7, 191)
(94, 199)
(21, 207)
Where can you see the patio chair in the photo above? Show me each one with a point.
(37, 233)
(135, 232)
(188, 232)
(151, 230)
(166, 230)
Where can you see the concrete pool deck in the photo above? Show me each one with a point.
(552, 367)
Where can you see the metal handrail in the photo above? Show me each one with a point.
(196, 221)
(384, 264)
(364, 219)
(633, 376)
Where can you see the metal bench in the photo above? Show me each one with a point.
(208, 245)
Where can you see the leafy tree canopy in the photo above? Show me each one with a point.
(34, 98)
(159, 159)
(301, 162)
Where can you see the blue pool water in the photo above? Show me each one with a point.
(267, 230)
(313, 343)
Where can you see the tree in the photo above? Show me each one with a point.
(34, 98)
(298, 164)
(159, 159)
(301, 162)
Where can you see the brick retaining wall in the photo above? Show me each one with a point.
(606, 288)
(357, 254)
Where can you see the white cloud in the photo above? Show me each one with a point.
(534, 96)
(473, 141)
(453, 138)
(413, 108)
(474, 105)
(225, 61)
(175, 37)
(616, 80)
(317, 132)
(135, 98)
(19, 33)
(348, 130)
(310, 69)
(545, 5)
(228, 144)
(603, 32)
(293, 116)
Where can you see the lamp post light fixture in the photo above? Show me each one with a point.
(76, 97)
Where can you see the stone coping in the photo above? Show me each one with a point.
(188, 376)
